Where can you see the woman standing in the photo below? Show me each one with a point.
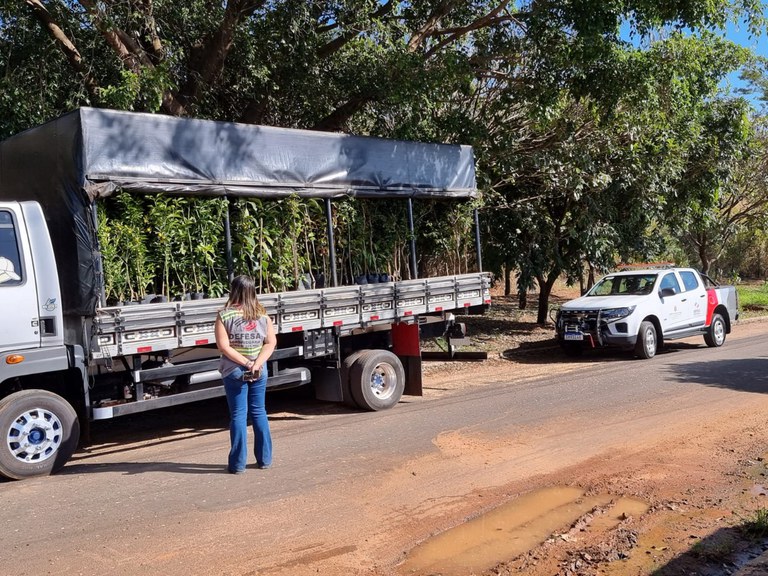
(246, 338)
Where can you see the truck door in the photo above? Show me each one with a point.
(673, 314)
(18, 294)
(694, 298)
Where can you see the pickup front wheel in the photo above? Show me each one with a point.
(715, 336)
(39, 431)
(646, 344)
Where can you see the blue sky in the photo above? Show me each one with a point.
(739, 34)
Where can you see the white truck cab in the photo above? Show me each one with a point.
(30, 300)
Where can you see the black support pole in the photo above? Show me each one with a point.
(412, 233)
(228, 245)
(331, 241)
(477, 241)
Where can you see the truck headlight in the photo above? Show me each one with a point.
(612, 314)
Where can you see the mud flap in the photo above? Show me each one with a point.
(327, 383)
(407, 347)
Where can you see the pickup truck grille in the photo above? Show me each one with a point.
(584, 320)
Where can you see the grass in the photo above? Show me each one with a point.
(753, 297)
(716, 550)
(757, 525)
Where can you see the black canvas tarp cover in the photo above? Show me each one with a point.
(90, 153)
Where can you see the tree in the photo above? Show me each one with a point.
(587, 185)
(741, 200)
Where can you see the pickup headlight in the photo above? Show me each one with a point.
(611, 314)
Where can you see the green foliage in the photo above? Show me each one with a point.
(757, 525)
(753, 297)
(590, 148)
(175, 246)
(161, 245)
(129, 267)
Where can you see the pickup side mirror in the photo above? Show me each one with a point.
(667, 292)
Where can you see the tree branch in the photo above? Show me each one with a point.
(206, 60)
(130, 53)
(335, 121)
(420, 35)
(342, 39)
(65, 45)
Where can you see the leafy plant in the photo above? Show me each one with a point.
(757, 525)
(125, 249)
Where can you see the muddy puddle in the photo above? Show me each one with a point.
(514, 528)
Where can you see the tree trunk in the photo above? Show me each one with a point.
(545, 289)
(507, 280)
(522, 298)
(705, 263)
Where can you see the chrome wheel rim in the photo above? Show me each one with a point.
(719, 332)
(650, 342)
(383, 381)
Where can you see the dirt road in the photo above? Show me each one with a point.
(655, 482)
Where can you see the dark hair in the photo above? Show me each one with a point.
(242, 293)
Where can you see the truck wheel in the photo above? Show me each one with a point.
(346, 376)
(646, 344)
(39, 431)
(377, 380)
(715, 335)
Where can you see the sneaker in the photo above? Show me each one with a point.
(235, 471)
(264, 466)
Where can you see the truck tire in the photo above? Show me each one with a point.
(646, 344)
(715, 334)
(377, 380)
(39, 431)
(346, 375)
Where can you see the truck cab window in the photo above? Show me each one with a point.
(10, 262)
(670, 281)
(690, 281)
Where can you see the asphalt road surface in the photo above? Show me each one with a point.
(352, 492)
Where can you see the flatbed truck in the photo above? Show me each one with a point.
(67, 358)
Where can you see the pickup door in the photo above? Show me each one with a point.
(687, 307)
(695, 297)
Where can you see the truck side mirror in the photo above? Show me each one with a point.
(667, 292)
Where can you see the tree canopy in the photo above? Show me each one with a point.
(600, 127)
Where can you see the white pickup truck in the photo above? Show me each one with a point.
(640, 309)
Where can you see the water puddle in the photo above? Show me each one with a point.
(513, 529)
(620, 510)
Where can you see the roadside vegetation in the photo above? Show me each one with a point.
(756, 526)
(753, 298)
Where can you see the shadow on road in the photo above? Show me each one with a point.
(129, 468)
(197, 419)
(747, 375)
(722, 552)
(548, 352)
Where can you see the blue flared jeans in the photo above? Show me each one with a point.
(247, 399)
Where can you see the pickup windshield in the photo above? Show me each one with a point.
(629, 285)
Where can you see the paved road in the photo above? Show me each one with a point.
(351, 490)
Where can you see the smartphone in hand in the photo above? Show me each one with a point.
(251, 375)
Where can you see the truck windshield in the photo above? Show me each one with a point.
(632, 285)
